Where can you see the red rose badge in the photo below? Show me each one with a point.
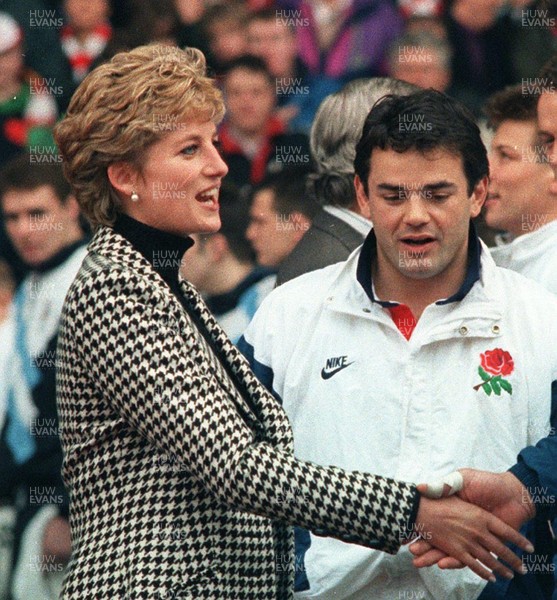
(495, 364)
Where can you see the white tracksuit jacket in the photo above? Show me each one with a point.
(534, 255)
(360, 396)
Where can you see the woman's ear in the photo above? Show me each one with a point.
(122, 177)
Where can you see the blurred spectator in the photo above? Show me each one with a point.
(479, 35)
(85, 35)
(280, 214)
(420, 8)
(190, 30)
(254, 141)
(534, 36)
(41, 23)
(42, 220)
(422, 59)
(224, 26)
(342, 39)
(27, 109)
(222, 267)
(341, 226)
(7, 285)
(271, 39)
(430, 24)
(522, 200)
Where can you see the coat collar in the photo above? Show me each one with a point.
(114, 247)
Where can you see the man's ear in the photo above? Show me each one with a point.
(479, 195)
(72, 207)
(362, 198)
(123, 178)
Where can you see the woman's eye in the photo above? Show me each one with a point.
(218, 145)
(189, 150)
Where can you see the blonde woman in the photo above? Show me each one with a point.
(179, 463)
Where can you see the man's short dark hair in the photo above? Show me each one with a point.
(423, 121)
(255, 64)
(289, 188)
(234, 216)
(22, 174)
(510, 104)
(548, 74)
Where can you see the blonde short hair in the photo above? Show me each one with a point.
(123, 107)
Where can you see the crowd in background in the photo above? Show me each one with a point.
(275, 61)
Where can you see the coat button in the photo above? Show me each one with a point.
(463, 330)
(496, 329)
(366, 310)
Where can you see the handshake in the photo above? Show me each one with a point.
(468, 518)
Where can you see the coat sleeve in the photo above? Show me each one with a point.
(148, 368)
(537, 466)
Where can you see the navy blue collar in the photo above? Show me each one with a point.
(368, 256)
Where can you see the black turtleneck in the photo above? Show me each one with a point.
(162, 250)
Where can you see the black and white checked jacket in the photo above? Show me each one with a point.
(181, 485)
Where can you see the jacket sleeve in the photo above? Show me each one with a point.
(146, 365)
(536, 467)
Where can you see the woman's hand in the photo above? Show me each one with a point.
(470, 535)
(502, 494)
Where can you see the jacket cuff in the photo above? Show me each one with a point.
(531, 481)
(414, 511)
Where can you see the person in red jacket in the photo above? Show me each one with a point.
(254, 142)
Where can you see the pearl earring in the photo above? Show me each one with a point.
(134, 197)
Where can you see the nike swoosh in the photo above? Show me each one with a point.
(329, 374)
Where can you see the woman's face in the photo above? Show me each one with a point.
(178, 184)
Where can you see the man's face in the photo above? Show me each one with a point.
(519, 178)
(275, 44)
(420, 210)
(250, 100)
(11, 64)
(227, 40)
(38, 224)
(547, 125)
(272, 238)
(422, 68)
(85, 15)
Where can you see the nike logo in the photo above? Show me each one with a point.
(334, 365)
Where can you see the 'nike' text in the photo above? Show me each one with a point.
(334, 365)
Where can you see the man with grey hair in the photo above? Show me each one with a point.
(340, 227)
(423, 59)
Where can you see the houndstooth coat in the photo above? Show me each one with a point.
(180, 467)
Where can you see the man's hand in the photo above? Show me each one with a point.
(470, 534)
(501, 494)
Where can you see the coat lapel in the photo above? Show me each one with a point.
(255, 403)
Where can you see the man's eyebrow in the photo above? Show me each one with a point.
(503, 146)
(436, 185)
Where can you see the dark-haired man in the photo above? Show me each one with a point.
(254, 142)
(522, 200)
(42, 221)
(281, 213)
(411, 359)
